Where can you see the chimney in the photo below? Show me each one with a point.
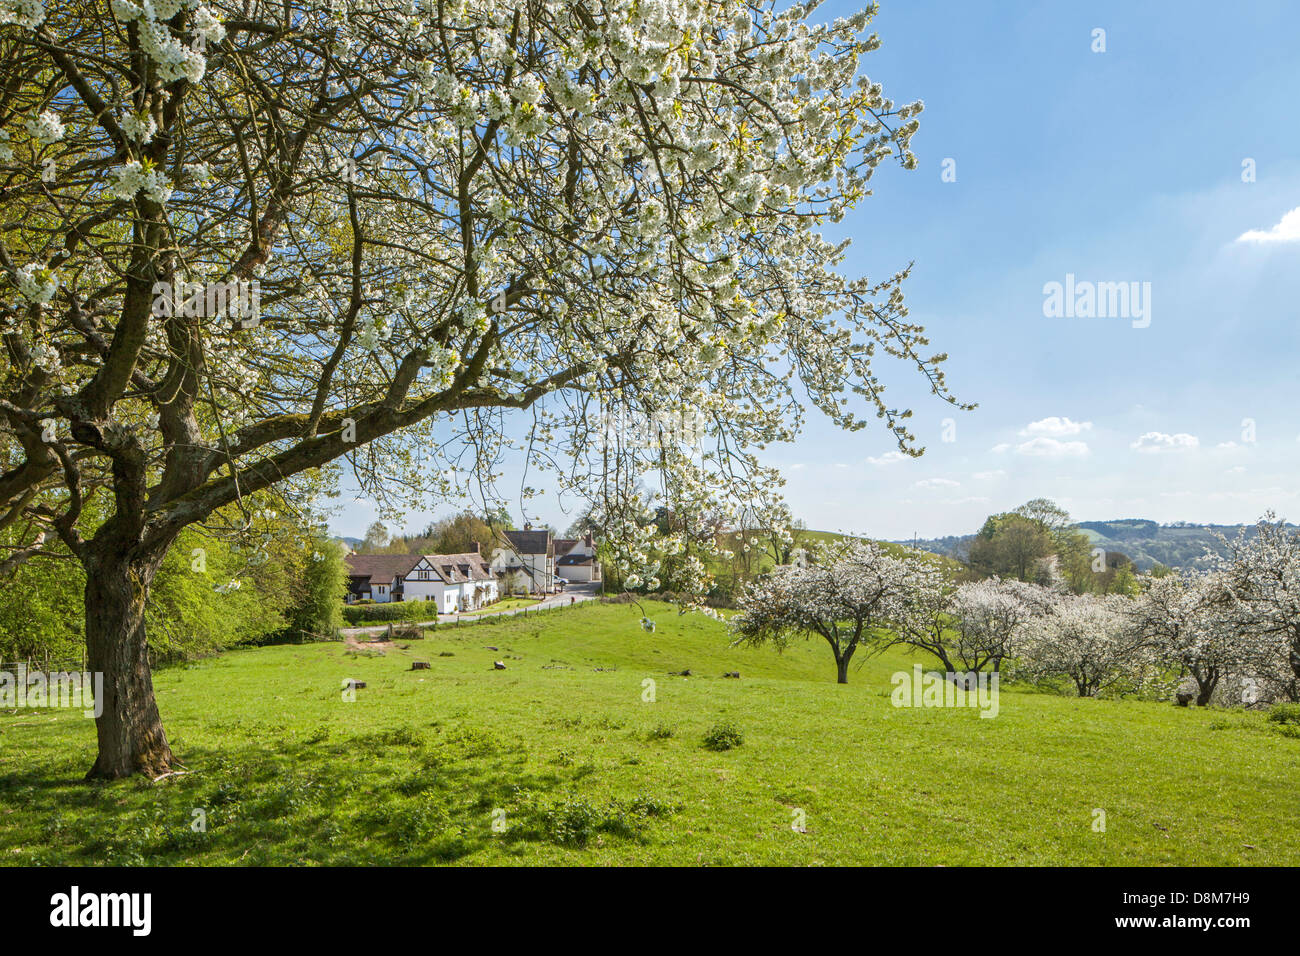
(478, 548)
(586, 539)
(528, 526)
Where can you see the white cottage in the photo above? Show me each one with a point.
(453, 582)
(526, 563)
(575, 559)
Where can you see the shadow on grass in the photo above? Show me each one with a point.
(399, 796)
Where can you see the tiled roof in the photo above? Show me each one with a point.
(564, 545)
(530, 542)
(459, 568)
(575, 559)
(381, 568)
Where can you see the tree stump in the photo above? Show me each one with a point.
(419, 665)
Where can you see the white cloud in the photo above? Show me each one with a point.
(989, 475)
(1044, 447)
(938, 483)
(1003, 446)
(1155, 442)
(1287, 230)
(1055, 427)
(1237, 470)
(888, 458)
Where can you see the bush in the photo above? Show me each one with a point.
(1284, 714)
(383, 613)
(723, 736)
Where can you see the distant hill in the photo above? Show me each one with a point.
(1144, 542)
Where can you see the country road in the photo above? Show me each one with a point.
(572, 595)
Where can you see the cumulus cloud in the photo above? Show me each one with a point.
(988, 475)
(1045, 447)
(938, 483)
(1286, 230)
(1055, 427)
(888, 458)
(1156, 442)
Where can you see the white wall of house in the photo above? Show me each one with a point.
(533, 573)
(575, 572)
(579, 572)
(423, 583)
(449, 598)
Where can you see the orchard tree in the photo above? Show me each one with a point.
(1262, 571)
(973, 625)
(849, 598)
(1089, 640)
(243, 239)
(1194, 623)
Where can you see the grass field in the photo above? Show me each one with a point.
(505, 604)
(562, 752)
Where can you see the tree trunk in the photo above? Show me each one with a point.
(842, 670)
(1205, 686)
(131, 736)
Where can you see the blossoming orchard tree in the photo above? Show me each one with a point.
(1193, 623)
(1088, 639)
(1262, 571)
(242, 240)
(849, 598)
(973, 625)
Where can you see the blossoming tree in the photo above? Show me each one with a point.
(849, 598)
(973, 625)
(1088, 639)
(243, 240)
(1193, 623)
(1262, 572)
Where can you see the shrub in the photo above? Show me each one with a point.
(399, 611)
(1284, 714)
(723, 736)
(571, 822)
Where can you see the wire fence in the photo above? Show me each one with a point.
(43, 665)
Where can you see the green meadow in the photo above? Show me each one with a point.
(569, 757)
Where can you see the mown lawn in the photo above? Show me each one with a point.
(573, 766)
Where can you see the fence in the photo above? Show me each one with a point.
(44, 665)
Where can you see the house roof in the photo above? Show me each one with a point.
(381, 568)
(575, 559)
(459, 568)
(530, 542)
(564, 545)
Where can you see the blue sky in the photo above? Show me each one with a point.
(1116, 166)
